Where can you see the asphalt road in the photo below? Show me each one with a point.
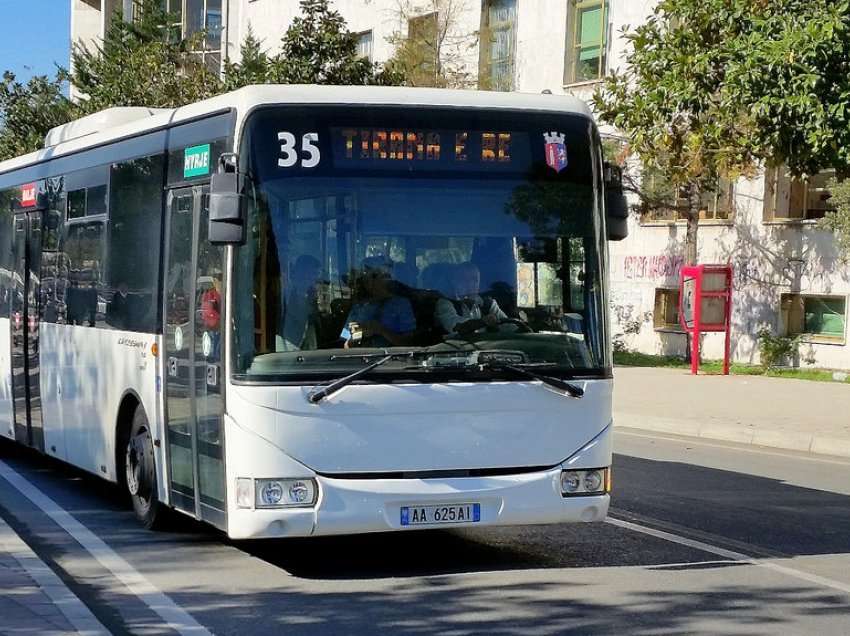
(703, 538)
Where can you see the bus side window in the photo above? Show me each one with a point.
(135, 211)
(83, 247)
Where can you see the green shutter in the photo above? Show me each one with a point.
(825, 316)
(590, 53)
(590, 31)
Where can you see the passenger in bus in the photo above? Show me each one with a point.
(300, 309)
(465, 311)
(210, 315)
(379, 318)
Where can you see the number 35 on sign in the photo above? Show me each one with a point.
(306, 154)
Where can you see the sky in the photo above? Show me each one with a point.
(33, 35)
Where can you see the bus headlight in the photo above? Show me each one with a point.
(585, 482)
(593, 481)
(278, 493)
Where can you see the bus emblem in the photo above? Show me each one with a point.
(556, 151)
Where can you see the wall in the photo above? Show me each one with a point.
(86, 28)
(769, 259)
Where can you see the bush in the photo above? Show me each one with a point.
(775, 349)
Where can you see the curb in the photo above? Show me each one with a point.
(813, 443)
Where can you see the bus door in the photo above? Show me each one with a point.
(194, 307)
(24, 308)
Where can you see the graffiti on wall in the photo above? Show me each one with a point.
(659, 266)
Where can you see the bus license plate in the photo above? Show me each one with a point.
(454, 513)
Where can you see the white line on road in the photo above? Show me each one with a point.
(72, 608)
(732, 446)
(174, 616)
(730, 554)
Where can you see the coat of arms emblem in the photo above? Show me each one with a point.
(556, 150)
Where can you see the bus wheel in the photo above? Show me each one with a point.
(140, 472)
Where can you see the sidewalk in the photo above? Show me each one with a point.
(33, 600)
(789, 414)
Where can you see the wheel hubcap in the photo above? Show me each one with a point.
(137, 478)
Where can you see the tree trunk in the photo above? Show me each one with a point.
(691, 232)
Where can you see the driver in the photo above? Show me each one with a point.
(465, 310)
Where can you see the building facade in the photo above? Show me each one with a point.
(789, 277)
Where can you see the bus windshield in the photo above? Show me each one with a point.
(460, 236)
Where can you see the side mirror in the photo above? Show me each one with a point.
(227, 210)
(616, 206)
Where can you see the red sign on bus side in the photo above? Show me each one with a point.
(29, 195)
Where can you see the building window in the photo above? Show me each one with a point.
(662, 203)
(718, 205)
(364, 45)
(789, 199)
(666, 314)
(203, 16)
(820, 318)
(497, 51)
(587, 27)
(174, 8)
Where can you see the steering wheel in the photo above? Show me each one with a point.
(523, 326)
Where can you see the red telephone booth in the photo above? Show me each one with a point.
(705, 305)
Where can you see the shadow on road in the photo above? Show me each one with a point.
(780, 518)
(531, 606)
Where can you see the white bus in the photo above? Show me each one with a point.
(301, 310)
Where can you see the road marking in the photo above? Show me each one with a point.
(684, 439)
(72, 608)
(729, 554)
(174, 616)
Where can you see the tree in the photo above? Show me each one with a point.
(838, 220)
(143, 62)
(718, 88)
(253, 66)
(318, 48)
(791, 78)
(434, 50)
(669, 101)
(28, 112)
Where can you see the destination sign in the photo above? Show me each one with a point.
(412, 149)
(397, 141)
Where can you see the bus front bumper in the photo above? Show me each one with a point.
(352, 506)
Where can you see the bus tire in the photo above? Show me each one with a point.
(140, 473)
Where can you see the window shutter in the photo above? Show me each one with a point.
(792, 314)
(769, 194)
(658, 311)
(797, 199)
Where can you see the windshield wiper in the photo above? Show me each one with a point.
(521, 369)
(321, 392)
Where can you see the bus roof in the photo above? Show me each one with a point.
(121, 123)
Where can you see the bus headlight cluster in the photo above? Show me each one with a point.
(594, 481)
(275, 493)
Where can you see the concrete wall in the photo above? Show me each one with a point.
(86, 21)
